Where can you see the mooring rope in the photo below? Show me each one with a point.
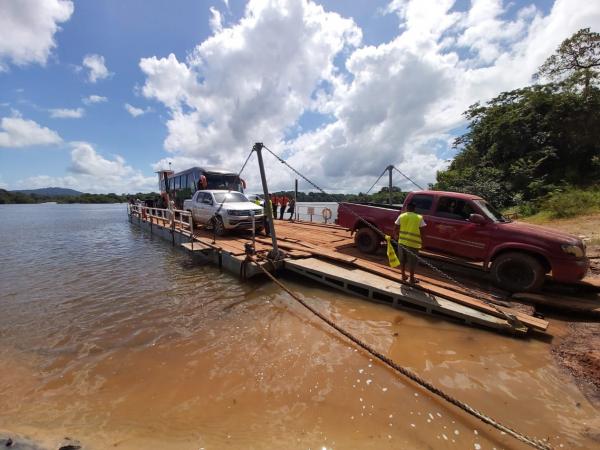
(535, 443)
(510, 318)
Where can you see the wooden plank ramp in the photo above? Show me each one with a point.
(379, 289)
(588, 306)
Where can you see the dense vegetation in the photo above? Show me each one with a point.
(539, 146)
(378, 197)
(21, 197)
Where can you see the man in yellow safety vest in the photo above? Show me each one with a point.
(409, 240)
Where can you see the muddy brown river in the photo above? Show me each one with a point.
(113, 338)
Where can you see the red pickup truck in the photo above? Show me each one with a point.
(518, 255)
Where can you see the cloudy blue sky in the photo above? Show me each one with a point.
(96, 95)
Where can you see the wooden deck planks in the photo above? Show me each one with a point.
(305, 241)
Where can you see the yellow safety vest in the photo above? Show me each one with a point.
(410, 231)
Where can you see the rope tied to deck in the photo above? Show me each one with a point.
(510, 318)
(533, 442)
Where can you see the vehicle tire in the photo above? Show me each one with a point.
(367, 240)
(518, 272)
(218, 225)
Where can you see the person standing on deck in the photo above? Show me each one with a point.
(283, 202)
(409, 240)
(274, 205)
(292, 208)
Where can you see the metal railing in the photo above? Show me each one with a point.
(324, 213)
(167, 218)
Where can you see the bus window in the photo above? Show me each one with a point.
(225, 182)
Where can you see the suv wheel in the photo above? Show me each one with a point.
(367, 240)
(516, 272)
(219, 228)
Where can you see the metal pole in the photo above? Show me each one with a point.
(296, 199)
(253, 230)
(390, 168)
(258, 149)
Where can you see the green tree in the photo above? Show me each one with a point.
(526, 143)
(576, 62)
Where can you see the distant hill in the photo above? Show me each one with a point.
(52, 192)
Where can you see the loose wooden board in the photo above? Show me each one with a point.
(585, 306)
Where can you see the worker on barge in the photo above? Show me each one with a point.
(409, 240)
(283, 202)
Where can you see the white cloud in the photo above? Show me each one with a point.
(94, 99)
(250, 81)
(216, 21)
(135, 112)
(96, 66)
(395, 103)
(92, 172)
(27, 29)
(17, 132)
(65, 113)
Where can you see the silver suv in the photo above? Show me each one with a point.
(224, 210)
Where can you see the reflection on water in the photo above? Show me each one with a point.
(110, 336)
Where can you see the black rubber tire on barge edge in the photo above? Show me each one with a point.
(518, 272)
(367, 240)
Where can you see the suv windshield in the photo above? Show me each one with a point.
(229, 197)
(490, 211)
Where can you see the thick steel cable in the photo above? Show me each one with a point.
(535, 443)
(376, 182)
(408, 178)
(510, 318)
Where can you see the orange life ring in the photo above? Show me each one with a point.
(326, 213)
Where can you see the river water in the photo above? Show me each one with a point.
(112, 337)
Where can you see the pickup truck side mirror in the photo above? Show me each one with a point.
(477, 218)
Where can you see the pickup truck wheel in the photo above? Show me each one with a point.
(516, 272)
(219, 228)
(367, 240)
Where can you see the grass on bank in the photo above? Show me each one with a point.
(565, 204)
